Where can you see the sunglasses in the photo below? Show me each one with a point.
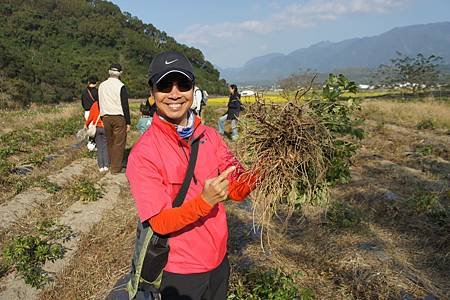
(165, 85)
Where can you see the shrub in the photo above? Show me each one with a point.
(85, 190)
(49, 186)
(29, 253)
(341, 215)
(270, 285)
(423, 201)
(425, 150)
(426, 124)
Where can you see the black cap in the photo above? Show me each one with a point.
(116, 67)
(169, 62)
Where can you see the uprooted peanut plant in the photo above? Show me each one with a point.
(301, 147)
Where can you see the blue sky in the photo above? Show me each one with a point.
(231, 32)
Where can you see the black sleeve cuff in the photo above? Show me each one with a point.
(124, 102)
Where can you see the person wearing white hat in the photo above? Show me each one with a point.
(115, 114)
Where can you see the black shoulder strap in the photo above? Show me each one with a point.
(189, 173)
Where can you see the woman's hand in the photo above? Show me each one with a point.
(216, 189)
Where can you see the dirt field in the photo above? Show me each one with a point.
(386, 235)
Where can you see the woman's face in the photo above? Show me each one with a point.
(173, 96)
(230, 89)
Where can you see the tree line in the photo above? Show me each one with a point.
(49, 47)
(417, 73)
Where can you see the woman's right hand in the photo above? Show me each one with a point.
(216, 189)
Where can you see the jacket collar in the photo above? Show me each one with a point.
(170, 131)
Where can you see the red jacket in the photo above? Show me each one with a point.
(155, 170)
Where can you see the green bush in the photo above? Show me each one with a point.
(29, 253)
(340, 117)
(425, 150)
(269, 285)
(85, 190)
(440, 216)
(423, 201)
(49, 186)
(425, 124)
(341, 215)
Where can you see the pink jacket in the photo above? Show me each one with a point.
(155, 170)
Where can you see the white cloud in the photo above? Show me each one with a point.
(298, 15)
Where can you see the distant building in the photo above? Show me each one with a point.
(365, 87)
(246, 93)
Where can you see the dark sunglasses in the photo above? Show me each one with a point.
(165, 85)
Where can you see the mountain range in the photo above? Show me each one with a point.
(359, 53)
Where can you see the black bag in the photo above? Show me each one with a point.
(155, 257)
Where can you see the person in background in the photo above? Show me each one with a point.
(197, 266)
(89, 95)
(115, 114)
(147, 109)
(234, 108)
(199, 102)
(100, 137)
(204, 103)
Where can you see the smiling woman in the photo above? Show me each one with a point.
(186, 210)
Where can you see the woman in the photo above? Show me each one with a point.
(197, 266)
(89, 95)
(234, 108)
(100, 137)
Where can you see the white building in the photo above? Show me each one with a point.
(246, 93)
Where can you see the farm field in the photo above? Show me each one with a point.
(385, 235)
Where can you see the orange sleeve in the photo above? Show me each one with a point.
(240, 188)
(173, 219)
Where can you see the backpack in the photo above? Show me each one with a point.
(204, 97)
(197, 107)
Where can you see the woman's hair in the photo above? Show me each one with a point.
(235, 89)
(145, 108)
(92, 79)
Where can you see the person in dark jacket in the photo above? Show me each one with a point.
(234, 108)
(89, 95)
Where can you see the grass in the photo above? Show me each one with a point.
(19, 119)
(412, 114)
(270, 97)
(30, 136)
(390, 249)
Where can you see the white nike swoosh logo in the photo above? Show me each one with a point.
(170, 62)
